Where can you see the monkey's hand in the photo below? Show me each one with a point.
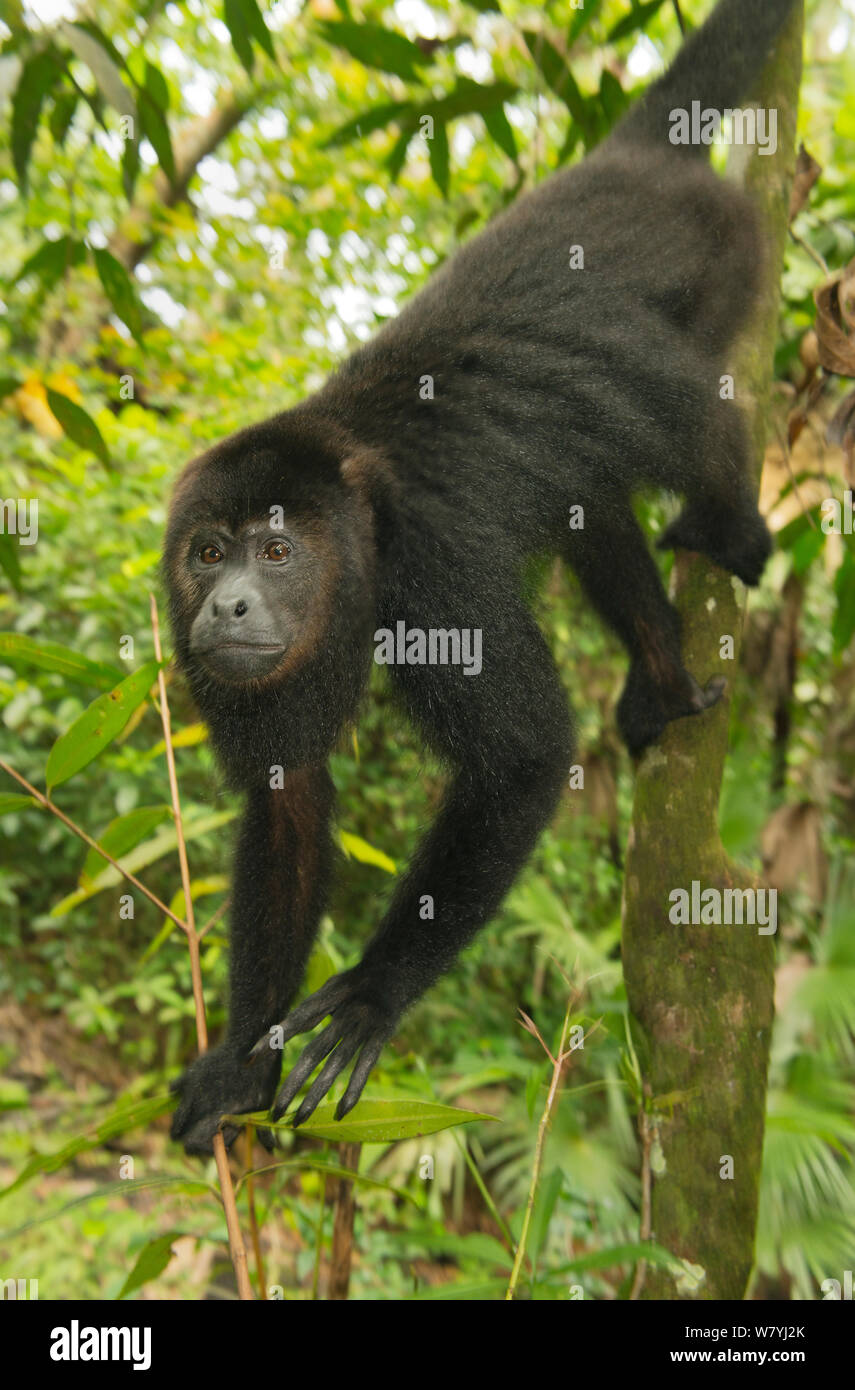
(648, 704)
(361, 1022)
(222, 1083)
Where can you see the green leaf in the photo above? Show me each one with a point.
(8, 384)
(571, 140)
(636, 20)
(467, 98)
(439, 157)
(95, 50)
(119, 290)
(19, 649)
(155, 129)
(64, 107)
(808, 520)
(12, 802)
(146, 853)
(376, 47)
(188, 1187)
(621, 1255)
(78, 425)
(52, 260)
(476, 1247)
(199, 888)
(500, 130)
(102, 40)
(258, 29)
(483, 1291)
(395, 161)
(245, 22)
(129, 1114)
(557, 74)
(188, 737)
(582, 19)
(150, 1264)
(10, 560)
(234, 15)
(613, 98)
(547, 1196)
(383, 1121)
(98, 725)
(155, 85)
(357, 848)
(305, 1163)
(122, 835)
(807, 548)
(13, 1095)
(130, 165)
(368, 121)
(38, 76)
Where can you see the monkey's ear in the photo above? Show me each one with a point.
(366, 469)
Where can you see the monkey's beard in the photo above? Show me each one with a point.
(291, 723)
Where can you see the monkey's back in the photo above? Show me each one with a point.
(580, 335)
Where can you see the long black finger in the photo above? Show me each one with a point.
(307, 1015)
(321, 1084)
(358, 1077)
(305, 1065)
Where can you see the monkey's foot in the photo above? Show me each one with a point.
(360, 1023)
(737, 541)
(220, 1083)
(645, 707)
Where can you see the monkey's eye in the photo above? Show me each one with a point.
(277, 551)
(210, 555)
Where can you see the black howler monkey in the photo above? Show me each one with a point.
(292, 543)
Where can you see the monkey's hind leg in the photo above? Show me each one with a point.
(720, 517)
(618, 573)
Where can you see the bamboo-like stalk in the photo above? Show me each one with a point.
(237, 1249)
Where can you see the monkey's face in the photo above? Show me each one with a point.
(255, 599)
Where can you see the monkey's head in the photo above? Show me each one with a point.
(269, 564)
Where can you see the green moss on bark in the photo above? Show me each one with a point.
(702, 996)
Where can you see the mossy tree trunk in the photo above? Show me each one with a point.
(701, 997)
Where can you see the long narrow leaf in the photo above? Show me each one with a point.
(147, 853)
(19, 649)
(98, 725)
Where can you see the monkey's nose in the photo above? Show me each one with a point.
(235, 608)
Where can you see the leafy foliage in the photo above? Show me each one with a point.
(351, 155)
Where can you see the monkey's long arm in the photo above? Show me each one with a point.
(281, 875)
(513, 743)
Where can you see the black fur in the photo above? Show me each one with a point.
(553, 388)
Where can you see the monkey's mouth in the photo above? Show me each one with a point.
(241, 661)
